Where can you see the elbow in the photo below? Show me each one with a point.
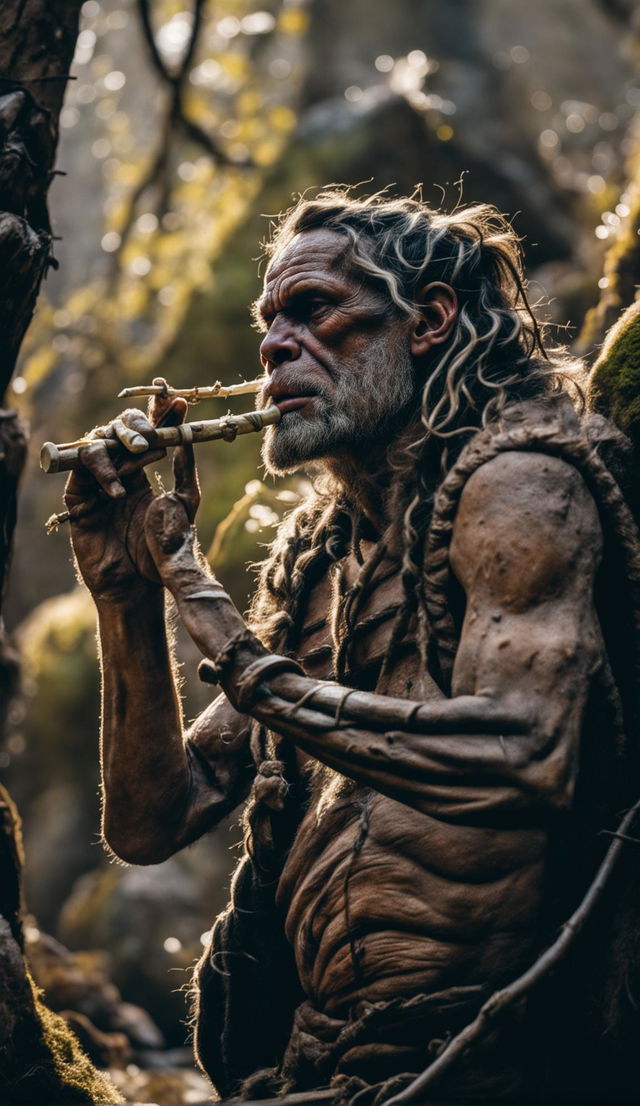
(136, 848)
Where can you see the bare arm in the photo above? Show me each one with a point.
(160, 790)
(526, 547)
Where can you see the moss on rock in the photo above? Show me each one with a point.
(614, 385)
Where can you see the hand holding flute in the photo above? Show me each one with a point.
(108, 495)
(129, 433)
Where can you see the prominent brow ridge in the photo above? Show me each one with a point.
(306, 286)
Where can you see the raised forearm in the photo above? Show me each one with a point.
(162, 788)
(144, 766)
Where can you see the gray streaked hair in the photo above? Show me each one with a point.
(400, 245)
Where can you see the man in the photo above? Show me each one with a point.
(411, 845)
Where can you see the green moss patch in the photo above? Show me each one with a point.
(614, 386)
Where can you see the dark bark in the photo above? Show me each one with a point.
(39, 1058)
(37, 40)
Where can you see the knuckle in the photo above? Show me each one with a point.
(132, 414)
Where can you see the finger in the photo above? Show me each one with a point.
(81, 483)
(96, 459)
(136, 420)
(131, 439)
(106, 431)
(137, 464)
(80, 488)
(185, 474)
(167, 410)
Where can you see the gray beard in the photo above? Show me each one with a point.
(365, 403)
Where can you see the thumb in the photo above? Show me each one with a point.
(186, 481)
(167, 410)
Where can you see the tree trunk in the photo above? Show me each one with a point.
(39, 1058)
(37, 40)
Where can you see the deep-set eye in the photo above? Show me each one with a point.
(315, 305)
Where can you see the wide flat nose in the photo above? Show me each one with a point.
(279, 345)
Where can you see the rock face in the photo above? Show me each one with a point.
(152, 921)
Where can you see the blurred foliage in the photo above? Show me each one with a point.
(160, 245)
(620, 229)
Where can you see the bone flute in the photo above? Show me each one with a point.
(66, 455)
(159, 387)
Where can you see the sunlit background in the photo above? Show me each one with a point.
(182, 132)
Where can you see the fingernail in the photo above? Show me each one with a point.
(116, 490)
(138, 442)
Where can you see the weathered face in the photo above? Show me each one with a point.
(338, 359)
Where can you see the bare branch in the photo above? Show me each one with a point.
(175, 121)
(144, 11)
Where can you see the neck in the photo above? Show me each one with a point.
(365, 477)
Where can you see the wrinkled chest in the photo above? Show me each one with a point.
(360, 621)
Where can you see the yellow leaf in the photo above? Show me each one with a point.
(293, 21)
(248, 102)
(39, 364)
(266, 152)
(282, 118)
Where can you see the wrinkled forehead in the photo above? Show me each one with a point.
(313, 251)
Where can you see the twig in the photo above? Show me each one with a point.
(159, 387)
(175, 120)
(501, 1000)
(195, 132)
(144, 12)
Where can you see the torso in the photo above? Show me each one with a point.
(382, 900)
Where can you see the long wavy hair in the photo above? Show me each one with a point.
(497, 355)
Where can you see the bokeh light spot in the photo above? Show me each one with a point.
(257, 23)
(541, 100)
(549, 139)
(228, 27)
(147, 223)
(140, 266)
(279, 68)
(575, 123)
(187, 171)
(114, 81)
(110, 241)
(384, 63)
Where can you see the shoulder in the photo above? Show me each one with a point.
(529, 519)
(517, 479)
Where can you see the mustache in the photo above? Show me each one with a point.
(291, 384)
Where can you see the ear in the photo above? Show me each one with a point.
(439, 311)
